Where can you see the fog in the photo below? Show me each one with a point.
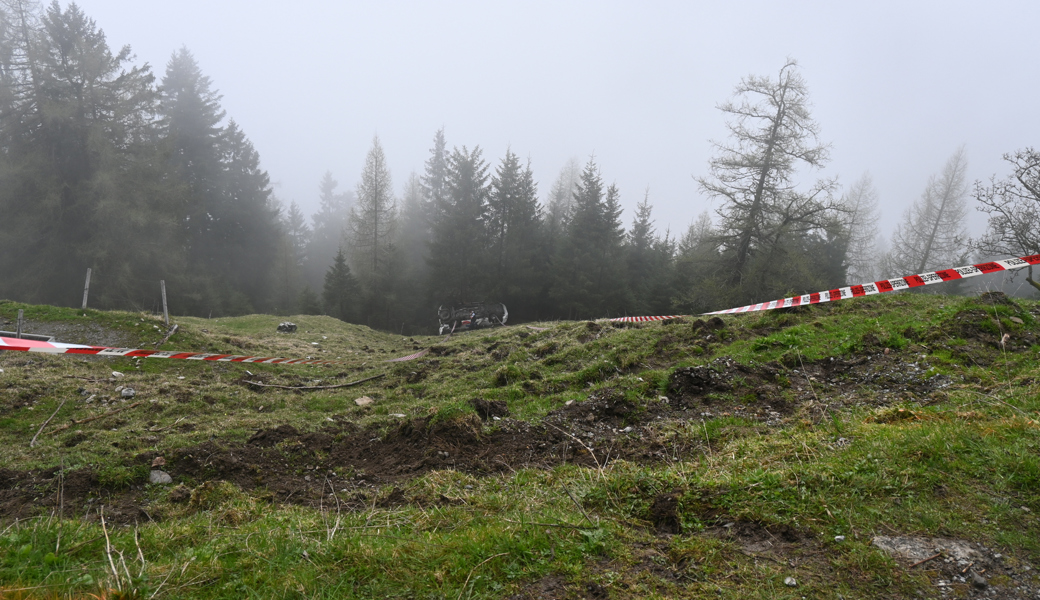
(896, 87)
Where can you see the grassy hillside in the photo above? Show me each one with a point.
(878, 447)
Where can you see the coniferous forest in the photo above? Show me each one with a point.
(141, 176)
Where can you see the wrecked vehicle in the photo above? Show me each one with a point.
(471, 315)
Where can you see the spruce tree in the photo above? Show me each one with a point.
(513, 224)
(329, 227)
(589, 267)
(458, 244)
(340, 294)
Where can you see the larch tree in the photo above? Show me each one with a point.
(413, 242)
(372, 226)
(932, 233)
(772, 135)
(1013, 206)
(860, 204)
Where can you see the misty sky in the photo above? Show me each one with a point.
(896, 86)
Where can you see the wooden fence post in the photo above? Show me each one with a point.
(86, 289)
(165, 312)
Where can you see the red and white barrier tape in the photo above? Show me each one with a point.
(868, 289)
(644, 319)
(59, 348)
(891, 285)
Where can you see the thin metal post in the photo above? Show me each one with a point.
(21, 315)
(165, 312)
(86, 289)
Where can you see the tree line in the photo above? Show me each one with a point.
(103, 165)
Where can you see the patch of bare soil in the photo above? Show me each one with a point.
(90, 334)
(302, 467)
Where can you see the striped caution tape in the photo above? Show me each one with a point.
(644, 319)
(891, 285)
(24, 345)
(869, 289)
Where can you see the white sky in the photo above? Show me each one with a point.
(896, 86)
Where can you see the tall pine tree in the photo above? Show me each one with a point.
(458, 243)
(589, 268)
(372, 226)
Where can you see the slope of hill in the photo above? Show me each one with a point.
(882, 447)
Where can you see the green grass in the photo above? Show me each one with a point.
(848, 458)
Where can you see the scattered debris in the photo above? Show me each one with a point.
(314, 387)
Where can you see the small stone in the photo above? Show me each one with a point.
(790, 582)
(363, 401)
(398, 415)
(979, 581)
(1025, 509)
(159, 477)
(468, 487)
(287, 327)
(158, 462)
(568, 403)
(627, 429)
(1017, 320)
(128, 393)
(839, 538)
(116, 374)
(496, 418)
(306, 477)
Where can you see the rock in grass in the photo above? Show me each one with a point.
(790, 582)
(979, 581)
(127, 393)
(363, 401)
(159, 477)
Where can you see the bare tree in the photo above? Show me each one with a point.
(372, 224)
(861, 223)
(932, 233)
(1013, 206)
(372, 219)
(771, 134)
